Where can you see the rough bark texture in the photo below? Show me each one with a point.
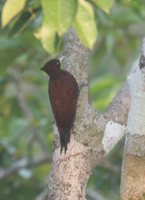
(133, 169)
(133, 177)
(70, 172)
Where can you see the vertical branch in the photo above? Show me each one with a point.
(133, 169)
(70, 172)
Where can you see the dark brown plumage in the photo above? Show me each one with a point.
(63, 94)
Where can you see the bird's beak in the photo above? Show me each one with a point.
(61, 58)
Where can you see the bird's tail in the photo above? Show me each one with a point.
(64, 139)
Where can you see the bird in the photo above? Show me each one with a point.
(63, 94)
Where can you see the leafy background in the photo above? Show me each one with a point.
(30, 34)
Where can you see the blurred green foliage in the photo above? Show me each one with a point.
(25, 114)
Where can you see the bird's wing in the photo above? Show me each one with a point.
(63, 93)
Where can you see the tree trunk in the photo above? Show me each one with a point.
(133, 169)
(93, 135)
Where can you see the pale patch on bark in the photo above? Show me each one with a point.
(113, 133)
(136, 118)
(143, 49)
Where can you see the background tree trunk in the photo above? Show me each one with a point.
(133, 169)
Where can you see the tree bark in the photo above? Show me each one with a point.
(133, 169)
(93, 135)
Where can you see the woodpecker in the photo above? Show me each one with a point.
(63, 94)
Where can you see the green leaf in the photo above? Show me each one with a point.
(104, 4)
(47, 36)
(19, 24)
(103, 90)
(68, 14)
(85, 24)
(125, 16)
(58, 17)
(11, 9)
(60, 13)
(102, 83)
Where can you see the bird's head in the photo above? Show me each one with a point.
(52, 67)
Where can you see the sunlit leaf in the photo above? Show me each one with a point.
(58, 17)
(47, 35)
(11, 9)
(68, 10)
(104, 4)
(59, 13)
(85, 24)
